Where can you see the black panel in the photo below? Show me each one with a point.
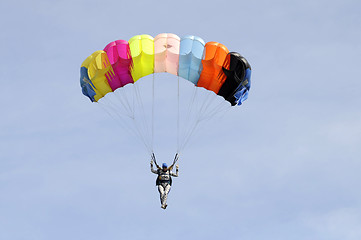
(235, 75)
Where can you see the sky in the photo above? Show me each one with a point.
(284, 165)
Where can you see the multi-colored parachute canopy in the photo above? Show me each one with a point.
(209, 65)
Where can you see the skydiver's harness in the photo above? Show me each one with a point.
(164, 176)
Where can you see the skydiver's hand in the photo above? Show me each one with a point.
(176, 167)
(151, 163)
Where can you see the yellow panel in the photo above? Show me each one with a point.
(99, 70)
(142, 51)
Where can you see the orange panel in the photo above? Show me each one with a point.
(212, 76)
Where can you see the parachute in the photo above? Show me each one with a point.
(110, 77)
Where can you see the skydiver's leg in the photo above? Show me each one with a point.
(166, 191)
(161, 193)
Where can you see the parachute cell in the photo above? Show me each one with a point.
(142, 52)
(212, 76)
(119, 56)
(95, 74)
(234, 67)
(166, 53)
(190, 58)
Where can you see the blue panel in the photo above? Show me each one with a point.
(242, 93)
(190, 58)
(86, 84)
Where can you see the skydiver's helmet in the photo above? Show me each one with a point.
(164, 165)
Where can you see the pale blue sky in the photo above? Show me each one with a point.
(285, 165)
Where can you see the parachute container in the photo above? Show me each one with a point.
(190, 58)
(142, 52)
(166, 53)
(212, 76)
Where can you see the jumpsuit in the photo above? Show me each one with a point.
(164, 182)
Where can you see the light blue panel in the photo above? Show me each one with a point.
(190, 58)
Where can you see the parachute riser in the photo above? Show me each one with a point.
(176, 157)
(155, 161)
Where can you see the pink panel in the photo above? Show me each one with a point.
(166, 53)
(119, 56)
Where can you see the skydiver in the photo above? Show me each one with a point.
(164, 181)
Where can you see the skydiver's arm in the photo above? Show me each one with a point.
(174, 174)
(152, 170)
